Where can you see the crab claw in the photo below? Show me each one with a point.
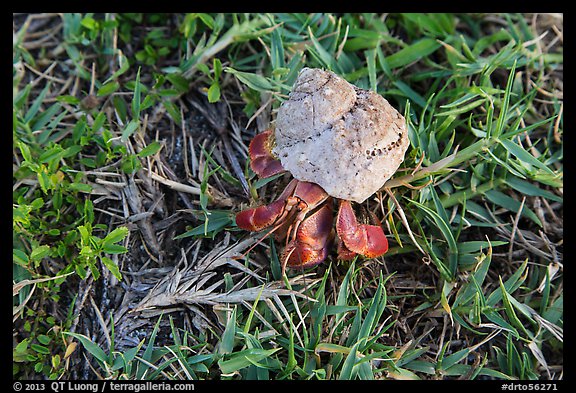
(367, 240)
(258, 218)
(343, 252)
(261, 160)
(312, 242)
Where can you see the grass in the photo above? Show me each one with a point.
(130, 136)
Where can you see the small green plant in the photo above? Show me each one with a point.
(156, 46)
(151, 363)
(44, 350)
(41, 351)
(213, 91)
(93, 249)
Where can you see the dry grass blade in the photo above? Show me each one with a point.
(278, 302)
(101, 321)
(194, 284)
(153, 367)
(530, 242)
(555, 330)
(422, 173)
(134, 199)
(209, 297)
(553, 269)
(16, 310)
(16, 288)
(533, 346)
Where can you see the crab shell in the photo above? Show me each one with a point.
(348, 140)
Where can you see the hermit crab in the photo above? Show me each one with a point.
(341, 144)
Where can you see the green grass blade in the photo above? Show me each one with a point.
(446, 231)
(527, 188)
(511, 204)
(524, 156)
(371, 63)
(508, 308)
(245, 358)
(137, 97)
(371, 318)
(511, 284)
(412, 53)
(226, 344)
(342, 299)
(348, 371)
(505, 104)
(91, 347)
(254, 81)
(35, 107)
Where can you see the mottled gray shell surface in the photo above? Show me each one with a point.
(348, 140)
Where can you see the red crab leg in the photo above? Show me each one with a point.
(261, 160)
(258, 218)
(368, 240)
(309, 195)
(312, 242)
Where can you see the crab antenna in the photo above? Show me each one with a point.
(285, 261)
